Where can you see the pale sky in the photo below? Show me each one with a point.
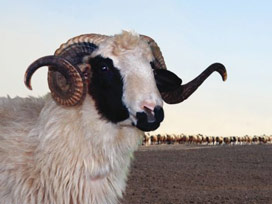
(191, 34)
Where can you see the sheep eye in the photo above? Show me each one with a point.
(104, 68)
(101, 64)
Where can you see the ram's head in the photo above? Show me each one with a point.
(125, 75)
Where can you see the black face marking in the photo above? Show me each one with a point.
(106, 88)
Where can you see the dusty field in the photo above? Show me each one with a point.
(171, 174)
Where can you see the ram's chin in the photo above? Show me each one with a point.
(139, 124)
(146, 127)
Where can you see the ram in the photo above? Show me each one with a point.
(75, 145)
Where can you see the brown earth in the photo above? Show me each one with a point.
(171, 174)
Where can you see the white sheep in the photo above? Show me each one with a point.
(75, 145)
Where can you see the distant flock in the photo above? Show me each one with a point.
(156, 139)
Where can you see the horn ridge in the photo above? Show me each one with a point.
(159, 60)
(72, 81)
(75, 52)
(95, 39)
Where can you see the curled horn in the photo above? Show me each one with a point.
(74, 90)
(68, 74)
(184, 91)
(180, 92)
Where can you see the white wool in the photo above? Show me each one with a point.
(69, 156)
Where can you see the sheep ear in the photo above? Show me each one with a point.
(166, 80)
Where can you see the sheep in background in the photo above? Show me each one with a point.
(185, 139)
(75, 145)
(270, 139)
(264, 139)
(241, 140)
(248, 139)
(227, 140)
(233, 140)
(199, 139)
(154, 139)
(180, 139)
(164, 138)
(219, 140)
(146, 139)
(192, 139)
(209, 140)
(170, 139)
(160, 139)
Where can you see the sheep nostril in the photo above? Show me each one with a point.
(148, 105)
(148, 110)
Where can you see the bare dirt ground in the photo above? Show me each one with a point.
(171, 174)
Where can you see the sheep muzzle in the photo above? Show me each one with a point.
(149, 120)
